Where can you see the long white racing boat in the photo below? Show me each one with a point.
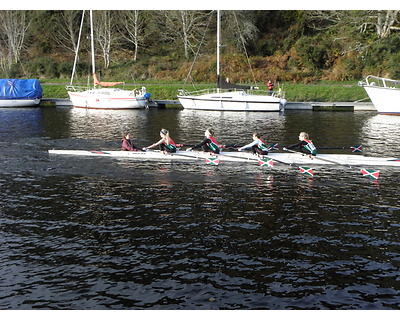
(244, 157)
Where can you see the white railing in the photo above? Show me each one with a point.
(76, 88)
(375, 81)
(279, 94)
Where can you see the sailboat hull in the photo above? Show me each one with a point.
(109, 99)
(232, 101)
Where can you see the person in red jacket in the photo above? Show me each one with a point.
(127, 144)
(270, 87)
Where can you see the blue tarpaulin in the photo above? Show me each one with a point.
(20, 89)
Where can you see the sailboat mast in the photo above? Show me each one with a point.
(218, 47)
(77, 48)
(92, 41)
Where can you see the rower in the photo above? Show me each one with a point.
(305, 145)
(166, 143)
(258, 145)
(127, 144)
(209, 144)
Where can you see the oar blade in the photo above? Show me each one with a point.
(273, 146)
(373, 174)
(307, 171)
(357, 148)
(213, 161)
(266, 162)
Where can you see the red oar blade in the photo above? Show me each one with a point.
(307, 171)
(213, 161)
(266, 162)
(357, 148)
(373, 174)
(273, 146)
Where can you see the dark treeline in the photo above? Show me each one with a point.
(283, 45)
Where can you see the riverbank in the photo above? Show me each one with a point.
(322, 91)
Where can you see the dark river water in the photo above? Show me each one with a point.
(102, 233)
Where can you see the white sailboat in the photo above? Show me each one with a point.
(104, 98)
(384, 94)
(231, 97)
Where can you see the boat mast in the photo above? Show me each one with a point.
(92, 41)
(77, 49)
(218, 47)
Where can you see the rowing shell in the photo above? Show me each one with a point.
(288, 158)
(152, 155)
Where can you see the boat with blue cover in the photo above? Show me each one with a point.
(20, 93)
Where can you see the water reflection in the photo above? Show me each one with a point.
(382, 135)
(84, 233)
(17, 123)
(230, 127)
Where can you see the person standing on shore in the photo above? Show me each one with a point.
(270, 87)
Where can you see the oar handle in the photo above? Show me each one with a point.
(229, 146)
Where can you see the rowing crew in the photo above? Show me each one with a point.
(210, 144)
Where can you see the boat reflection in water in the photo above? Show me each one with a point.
(382, 135)
(230, 127)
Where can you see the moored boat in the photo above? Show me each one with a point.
(106, 98)
(384, 94)
(99, 97)
(20, 93)
(231, 97)
(230, 100)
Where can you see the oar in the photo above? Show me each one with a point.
(228, 146)
(212, 159)
(173, 154)
(353, 149)
(365, 172)
(358, 148)
(268, 161)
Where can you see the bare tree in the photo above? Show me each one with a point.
(239, 26)
(67, 35)
(13, 27)
(384, 21)
(387, 21)
(132, 22)
(186, 26)
(104, 33)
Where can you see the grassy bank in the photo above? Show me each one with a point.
(319, 92)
